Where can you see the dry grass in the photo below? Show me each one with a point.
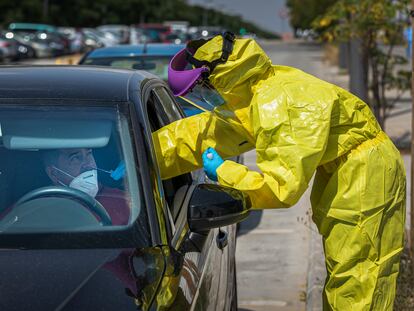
(404, 300)
(330, 54)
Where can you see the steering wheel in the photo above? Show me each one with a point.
(57, 191)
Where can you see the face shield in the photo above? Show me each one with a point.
(186, 72)
(189, 79)
(204, 97)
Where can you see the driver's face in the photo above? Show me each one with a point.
(74, 162)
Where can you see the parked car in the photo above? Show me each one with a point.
(24, 51)
(178, 37)
(153, 33)
(204, 32)
(31, 27)
(105, 39)
(62, 248)
(44, 33)
(8, 47)
(121, 32)
(91, 40)
(152, 57)
(40, 47)
(75, 38)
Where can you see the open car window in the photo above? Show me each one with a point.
(163, 110)
(67, 169)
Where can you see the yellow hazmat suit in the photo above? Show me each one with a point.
(300, 125)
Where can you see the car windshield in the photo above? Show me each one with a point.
(67, 169)
(157, 65)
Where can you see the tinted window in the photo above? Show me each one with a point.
(84, 158)
(163, 110)
(157, 65)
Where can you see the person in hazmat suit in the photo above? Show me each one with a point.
(300, 126)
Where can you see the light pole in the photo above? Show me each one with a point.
(283, 15)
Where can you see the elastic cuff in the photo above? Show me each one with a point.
(229, 173)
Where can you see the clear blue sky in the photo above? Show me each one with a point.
(264, 13)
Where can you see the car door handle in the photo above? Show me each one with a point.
(222, 239)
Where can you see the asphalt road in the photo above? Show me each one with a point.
(273, 248)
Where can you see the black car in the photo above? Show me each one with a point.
(139, 242)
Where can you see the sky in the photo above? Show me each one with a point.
(264, 13)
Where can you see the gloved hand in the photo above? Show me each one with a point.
(211, 161)
(119, 172)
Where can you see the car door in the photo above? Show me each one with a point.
(224, 234)
(199, 278)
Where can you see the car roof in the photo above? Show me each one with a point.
(34, 26)
(68, 82)
(152, 49)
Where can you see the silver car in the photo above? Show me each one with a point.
(8, 47)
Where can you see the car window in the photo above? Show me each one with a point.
(163, 110)
(171, 110)
(66, 168)
(157, 65)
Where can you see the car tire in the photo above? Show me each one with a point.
(234, 306)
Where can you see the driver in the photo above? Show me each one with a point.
(76, 168)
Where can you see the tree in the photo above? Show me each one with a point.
(378, 25)
(304, 12)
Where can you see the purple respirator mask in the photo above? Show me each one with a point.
(182, 77)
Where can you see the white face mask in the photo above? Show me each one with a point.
(86, 182)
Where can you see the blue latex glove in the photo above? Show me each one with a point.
(119, 172)
(211, 162)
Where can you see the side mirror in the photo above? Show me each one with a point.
(213, 206)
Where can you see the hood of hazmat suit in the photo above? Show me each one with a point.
(302, 127)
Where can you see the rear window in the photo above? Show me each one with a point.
(157, 65)
(67, 169)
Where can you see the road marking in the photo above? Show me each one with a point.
(263, 303)
(266, 231)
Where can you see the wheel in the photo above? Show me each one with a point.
(57, 191)
(31, 54)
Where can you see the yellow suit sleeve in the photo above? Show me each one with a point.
(179, 145)
(291, 125)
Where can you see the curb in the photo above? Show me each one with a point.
(316, 271)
